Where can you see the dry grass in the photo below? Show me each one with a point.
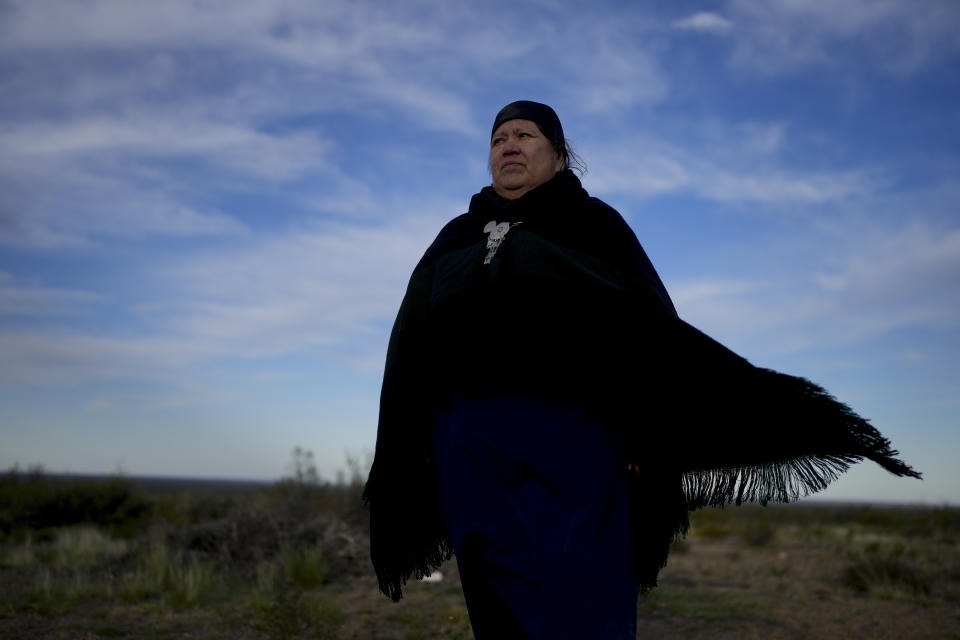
(289, 561)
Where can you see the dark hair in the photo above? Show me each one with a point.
(571, 159)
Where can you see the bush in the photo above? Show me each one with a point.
(759, 534)
(184, 579)
(35, 501)
(85, 546)
(306, 568)
(886, 576)
(281, 605)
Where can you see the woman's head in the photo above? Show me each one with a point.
(527, 148)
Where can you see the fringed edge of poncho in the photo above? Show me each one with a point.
(835, 438)
(411, 554)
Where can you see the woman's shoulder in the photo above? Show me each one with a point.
(592, 225)
(607, 217)
(459, 232)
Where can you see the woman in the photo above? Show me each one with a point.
(547, 416)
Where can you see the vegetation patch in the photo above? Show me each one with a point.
(289, 560)
(886, 577)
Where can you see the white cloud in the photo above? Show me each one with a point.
(70, 357)
(780, 187)
(907, 277)
(116, 176)
(18, 299)
(748, 138)
(724, 169)
(441, 108)
(330, 291)
(400, 54)
(325, 287)
(704, 21)
(703, 291)
(80, 209)
(894, 36)
(243, 90)
(884, 281)
(615, 75)
(164, 135)
(645, 174)
(154, 215)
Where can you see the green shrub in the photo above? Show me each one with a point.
(283, 610)
(327, 618)
(35, 501)
(183, 579)
(759, 533)
(191, 581)
(304, 567)
(80, 546)
(85, 545)
(886, 576)
(192, 507)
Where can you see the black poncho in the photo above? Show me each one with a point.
(569, 304)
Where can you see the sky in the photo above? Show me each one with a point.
(209, 209)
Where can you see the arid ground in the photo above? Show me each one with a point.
(119, 558)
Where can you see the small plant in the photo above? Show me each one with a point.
(284, 610)
(184, 579)
(19, 555)
(85, 546)
(305, 568)
(283, 601)
(886, 576)
(328, 617)
(303, 468)
(192, 581)
(281, 611)
(759, 534)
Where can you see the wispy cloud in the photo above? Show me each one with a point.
(301, 290)
(150, 134)
(330, 291)
(905, 277)
(704, 21)
(79, 209)
(781, 187)
(704, 291)
(101, 123)
(24, 300)
(618, 72)
(893, 36)
(723, 168)
(70, 357)
(883, 281)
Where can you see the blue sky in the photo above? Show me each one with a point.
(209, 210)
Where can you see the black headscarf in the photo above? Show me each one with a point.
(544, 117)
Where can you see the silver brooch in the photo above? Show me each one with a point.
(496, 233)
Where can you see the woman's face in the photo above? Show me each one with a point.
(521, 158)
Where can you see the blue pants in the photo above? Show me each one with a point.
(534, 493)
